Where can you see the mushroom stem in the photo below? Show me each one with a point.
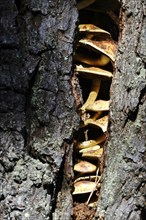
(86, 144)
(92, 95)
(90, 120)
(96, 115)
(91, 143)
(84, 58)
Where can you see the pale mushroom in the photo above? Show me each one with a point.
(99, 105)
(93, 204)
(90, 178)
(93, 72)
(95, 59)
(85, 167)
(91, 31)
(96, 147)
(86, 144)
(91, 143)
(92, 95)
(83, 187)
(101, 123)
(93, 154)
(107, 47)
(90, 120)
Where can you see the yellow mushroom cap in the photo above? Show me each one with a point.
(99, 105)
(89, 178)
(86, 144)
(84, 186)
(96, 147)
(93, 204)
(90, 28)
(101, 123)
(107, 47)
(93, 154)
(85, 167)
(93, 72)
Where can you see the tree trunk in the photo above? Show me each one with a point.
(123, 187)
(38, 113)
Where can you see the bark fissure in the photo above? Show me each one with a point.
(92, 89)
(132, 115)
(38, 116)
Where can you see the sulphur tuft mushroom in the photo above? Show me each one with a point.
(100, 123)
(91, 31)
(83, 187)
(86, 144)
(93, 154)
(92, 95)
(90, 178)
(99, 105)
(93, 72)
(107, 47)
(96, 147)
(84, 167)
(96, 59)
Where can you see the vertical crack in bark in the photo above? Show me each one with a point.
(85, 63)
(132, 115)
(28, 109)
(18, 4)
(57, 187)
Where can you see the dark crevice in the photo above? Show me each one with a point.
(143, 214)
(28, 109)
(107, 19)
(18, 4)
(142, 95)
(9, 46)
(31, 84)
(39, 53)
(132, 115)
(57, 187)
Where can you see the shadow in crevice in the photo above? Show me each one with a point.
(143, 214)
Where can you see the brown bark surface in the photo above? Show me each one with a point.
(123, 188)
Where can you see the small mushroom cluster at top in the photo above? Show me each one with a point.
(95, 53)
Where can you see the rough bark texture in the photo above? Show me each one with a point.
(123, 187)
(38, 117)
(37, 111)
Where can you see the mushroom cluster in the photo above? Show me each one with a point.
(94, 57)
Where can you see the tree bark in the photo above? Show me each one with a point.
(38, 115)
(123, 187)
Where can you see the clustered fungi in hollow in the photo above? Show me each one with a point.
(94, 58)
